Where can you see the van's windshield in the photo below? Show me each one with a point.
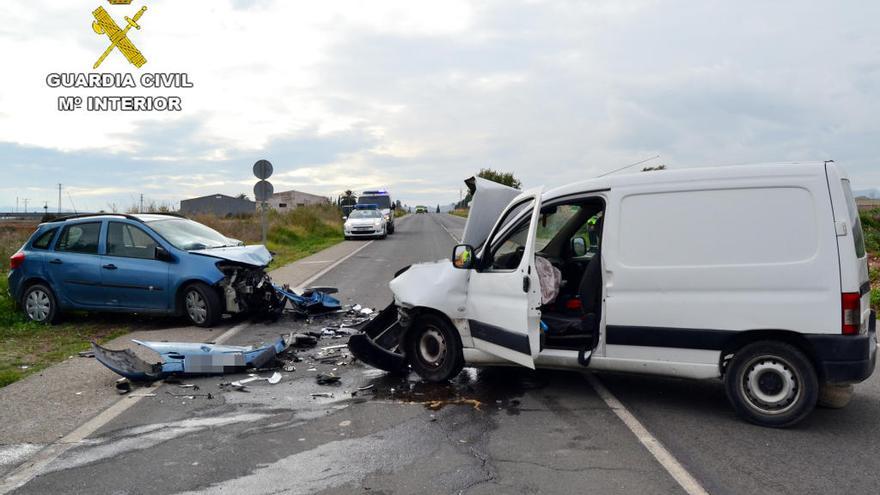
(855, 222)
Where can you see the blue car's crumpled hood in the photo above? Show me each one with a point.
(256, 255)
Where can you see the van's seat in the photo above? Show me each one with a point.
(578, 329)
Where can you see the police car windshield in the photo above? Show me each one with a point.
(365, 214)
(382, 201)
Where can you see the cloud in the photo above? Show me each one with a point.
(417, 96)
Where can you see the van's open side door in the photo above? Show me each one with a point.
(504, 298)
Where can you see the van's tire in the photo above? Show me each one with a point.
(771, 384)
(390, 228)
(433, 349)
(834, 396)
(201, 305)
(40, 304)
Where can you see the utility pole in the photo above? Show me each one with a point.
(141, 210)
(16, 204)
(25, 200)
(59, 199)
(45, 208)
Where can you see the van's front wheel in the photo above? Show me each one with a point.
(433, 349)
(771, 384)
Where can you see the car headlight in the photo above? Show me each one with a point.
(377, 223)
(386, 217)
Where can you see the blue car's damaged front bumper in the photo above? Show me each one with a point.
(185, 358)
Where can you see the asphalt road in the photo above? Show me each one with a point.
(502, 430)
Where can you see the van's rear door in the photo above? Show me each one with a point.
(850, 241)
(503, 293)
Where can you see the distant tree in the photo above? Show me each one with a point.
(348, 199)
(242, 196)
(438, 208)
(505, 178)
(398, 203)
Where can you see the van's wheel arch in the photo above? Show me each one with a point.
(433, 347)
(201, 304)
(771, 383)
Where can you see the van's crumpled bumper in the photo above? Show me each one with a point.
(845, 359)
(187, 358)
(379, 343)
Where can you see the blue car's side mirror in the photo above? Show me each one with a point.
(162, 254)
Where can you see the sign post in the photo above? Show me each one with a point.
(263, 190)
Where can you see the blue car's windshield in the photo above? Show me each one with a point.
(188, 235)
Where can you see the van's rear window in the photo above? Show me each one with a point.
(855, 222)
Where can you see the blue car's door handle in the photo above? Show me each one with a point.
(56, 261)
(111, 266)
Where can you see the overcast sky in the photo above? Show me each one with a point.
(416, 96)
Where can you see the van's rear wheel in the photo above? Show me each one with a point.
(433, 349)
(771, 384)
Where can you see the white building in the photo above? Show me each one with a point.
(287, 200)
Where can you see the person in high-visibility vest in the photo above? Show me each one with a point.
(593, 228)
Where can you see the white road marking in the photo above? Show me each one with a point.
(663, 456)
(37, 464)
(334, 265)
(447, 231)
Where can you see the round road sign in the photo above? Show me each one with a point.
(263, 190)
(263, 169)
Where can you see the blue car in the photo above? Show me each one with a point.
(159, 264)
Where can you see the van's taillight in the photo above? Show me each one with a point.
(16, 260)
(852, 312)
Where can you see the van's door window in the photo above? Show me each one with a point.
(855, 222)
(506, 253)
(552, 222)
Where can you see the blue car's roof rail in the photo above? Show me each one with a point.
(123, 215)
(89, 215)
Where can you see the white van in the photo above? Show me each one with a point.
(755, 274)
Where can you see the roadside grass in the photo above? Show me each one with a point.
(292, 235)
(871, 229)
(26, 347)
(460, 212)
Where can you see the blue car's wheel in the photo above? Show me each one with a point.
(39, 304)
(201, 305)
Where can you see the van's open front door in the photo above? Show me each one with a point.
(503, 293)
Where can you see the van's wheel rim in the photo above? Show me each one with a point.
(196, 307)
(38, 305)
(432, 347)
(771, 385)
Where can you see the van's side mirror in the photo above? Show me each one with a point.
(463, 256)
(578, 246)
(162, 254)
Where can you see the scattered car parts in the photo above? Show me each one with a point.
(186, 358)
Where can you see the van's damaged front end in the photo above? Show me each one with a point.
(433, 287)
(436, 287)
